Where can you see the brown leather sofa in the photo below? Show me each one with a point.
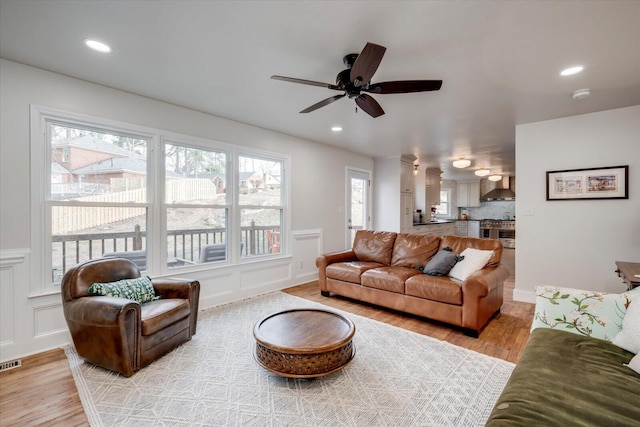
(380, 269)
(120, 334)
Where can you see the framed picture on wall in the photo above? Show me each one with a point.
(588, 184)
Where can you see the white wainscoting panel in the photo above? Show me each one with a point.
(32, 324)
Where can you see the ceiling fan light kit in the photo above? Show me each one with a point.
(356, 79)
(495, 177)
(482, 172)
(461, 163)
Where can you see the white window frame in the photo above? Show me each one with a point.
(156, 208)
(449, 195)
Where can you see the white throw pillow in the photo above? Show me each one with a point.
(474, 260)
(635, 363)
(629, 337)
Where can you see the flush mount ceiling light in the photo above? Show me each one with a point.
(97, 46)
(495, 177)
(482, 172)
(571, 70)
(461, 163)
(415, 169)
(336, 129)
(581, 93)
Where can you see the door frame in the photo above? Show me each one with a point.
(366, 174)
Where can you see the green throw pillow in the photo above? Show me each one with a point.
(139, 290)
(594, 314)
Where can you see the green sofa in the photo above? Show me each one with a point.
(570, 373)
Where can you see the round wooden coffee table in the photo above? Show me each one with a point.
(304, 343)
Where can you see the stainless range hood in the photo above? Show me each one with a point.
(498, 190)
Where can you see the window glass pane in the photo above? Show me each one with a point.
(259, 182)
(443, 207)
(94, 166)
(195, 176)
(260, 231)
(82, 233)
(196, 235)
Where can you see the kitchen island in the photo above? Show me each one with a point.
(442, 227)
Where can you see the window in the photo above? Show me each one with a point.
(444, 208)
(197, 209)
(97, 197)
(261, 204)
(163, 201)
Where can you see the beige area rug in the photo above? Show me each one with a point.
(398, 378)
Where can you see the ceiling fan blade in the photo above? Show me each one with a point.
(305, 82)
(404, 86)
(323, 103)
(366, 64)
(369, 105)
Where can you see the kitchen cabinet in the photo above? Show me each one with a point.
(461, 228)
(406, 212)
(468, 194)
(432, 188)
(406, 175)
(473, 228)
(394, 193)
(436, 229)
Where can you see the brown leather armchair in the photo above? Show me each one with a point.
(117, 333)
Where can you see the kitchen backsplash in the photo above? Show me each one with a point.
(491, 210)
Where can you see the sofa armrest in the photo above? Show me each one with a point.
(590, 313)
(323, 261)
(482, 282)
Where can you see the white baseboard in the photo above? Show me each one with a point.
(524, 296)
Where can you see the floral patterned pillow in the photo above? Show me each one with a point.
(594, 314)
(140, 289)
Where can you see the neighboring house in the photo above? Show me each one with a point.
(84, 151)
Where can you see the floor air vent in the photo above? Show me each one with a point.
(5, 366)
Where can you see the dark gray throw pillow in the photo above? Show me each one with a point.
(442, 263)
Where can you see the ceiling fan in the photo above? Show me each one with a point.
(357, 79)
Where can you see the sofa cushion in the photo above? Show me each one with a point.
(590, 313)
(472, 260)
(629, 337)
(411, 250)
(434, 288)
(350, 271)
(459, 244)
(388, 278)
(442, 263)
(566, 379)
(157, 315)
(374, 246)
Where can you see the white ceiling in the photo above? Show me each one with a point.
(499, 60)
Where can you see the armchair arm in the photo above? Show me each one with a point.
(99, 310)
(181, 288)
(106, 331)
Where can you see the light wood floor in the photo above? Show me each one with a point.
(42, 391)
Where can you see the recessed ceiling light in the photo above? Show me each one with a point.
(581, 93)
(482, 172)
(97, 46)
(571, 71)
(336, 129)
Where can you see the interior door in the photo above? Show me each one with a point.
(358, 203)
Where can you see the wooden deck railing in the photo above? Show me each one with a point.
(185, 245)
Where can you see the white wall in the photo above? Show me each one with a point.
(386, 194)
(576, 243)
(35, 322)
